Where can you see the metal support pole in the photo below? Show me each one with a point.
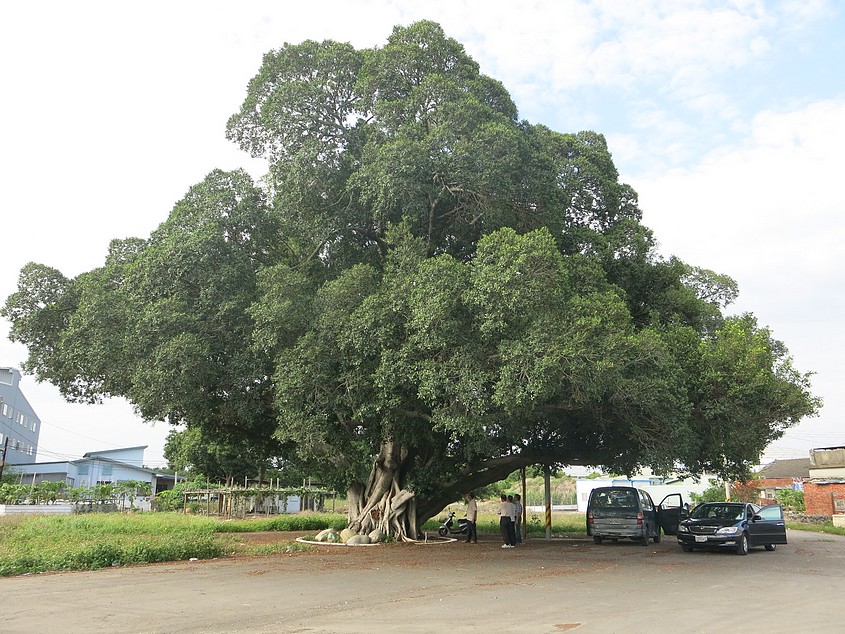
(548, 495)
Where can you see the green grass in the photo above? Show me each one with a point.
(827, 527)
(305, 521)
(85, 542)
(42, 543)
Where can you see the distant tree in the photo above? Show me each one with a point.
(227, 461)
(714, 493)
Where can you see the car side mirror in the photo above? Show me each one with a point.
(684, 512)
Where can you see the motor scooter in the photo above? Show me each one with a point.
(448, 527)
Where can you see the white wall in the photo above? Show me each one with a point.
(657, 492)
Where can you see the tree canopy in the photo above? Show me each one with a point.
(426, 294)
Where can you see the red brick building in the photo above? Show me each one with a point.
(824, 494)
(781, 474)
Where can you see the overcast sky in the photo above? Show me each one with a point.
(728, 118)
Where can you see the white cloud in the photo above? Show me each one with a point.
(112, 111)
(768, 211)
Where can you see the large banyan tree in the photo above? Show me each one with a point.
(424, 294)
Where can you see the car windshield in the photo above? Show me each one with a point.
(615, 499)
(719, 511)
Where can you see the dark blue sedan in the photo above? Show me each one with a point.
(732, 525)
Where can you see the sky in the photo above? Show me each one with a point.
(727, 118)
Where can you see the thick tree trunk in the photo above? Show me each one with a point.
(383, 503)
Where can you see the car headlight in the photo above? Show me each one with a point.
(683, 529)
(729, 530)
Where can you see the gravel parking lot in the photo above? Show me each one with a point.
(542, 586)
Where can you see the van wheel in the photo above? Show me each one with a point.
(644, 540)
(596, 539)
(770, 547)
(656, 537)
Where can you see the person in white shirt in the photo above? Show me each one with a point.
(507, 512)
(472, 517)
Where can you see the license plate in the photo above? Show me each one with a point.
(701, 538)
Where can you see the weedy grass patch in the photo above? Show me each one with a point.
(305, 521)
(41, 543)
(827, 527)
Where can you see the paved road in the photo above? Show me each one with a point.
(540, 587)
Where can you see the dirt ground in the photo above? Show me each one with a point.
(542, 586)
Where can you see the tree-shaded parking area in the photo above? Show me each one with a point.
(543, 586)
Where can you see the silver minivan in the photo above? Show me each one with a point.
(623, 512)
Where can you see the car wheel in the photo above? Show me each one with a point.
(770, 547)
(686, 548)
(596, 539)
(644, 539)
(742, 547)
(656, 537)
(443, 532)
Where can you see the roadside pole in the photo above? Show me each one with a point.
(524, 504)
(3, 457)
(548, 495)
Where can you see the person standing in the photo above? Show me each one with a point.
(517, 502)
(472, 518)
(506, 516)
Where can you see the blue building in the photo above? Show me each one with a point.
(19, 424)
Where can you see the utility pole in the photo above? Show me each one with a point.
(3, 458)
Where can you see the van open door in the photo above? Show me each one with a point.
(669, 513)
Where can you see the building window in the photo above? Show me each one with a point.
(82, 469)
(107, 470)
(5, 410)
(6, 377)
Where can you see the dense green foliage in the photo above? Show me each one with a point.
(791, 500)
(426, 281)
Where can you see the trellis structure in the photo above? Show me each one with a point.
(253, 500)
